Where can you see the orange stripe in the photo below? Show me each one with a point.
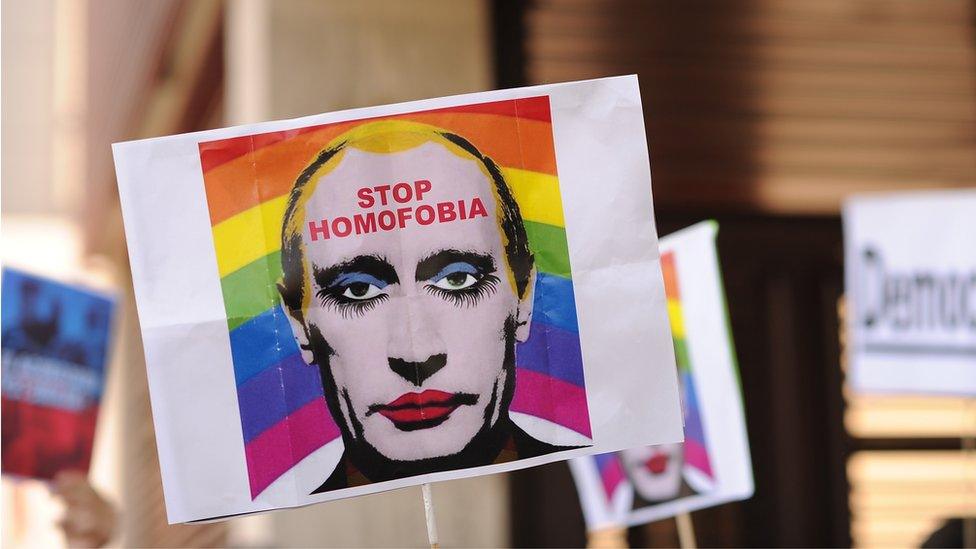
(270, 171)
(670, 276)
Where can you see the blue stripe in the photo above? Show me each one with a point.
(260, 343)
(693, 423)
(272, 395)
(552, 352)
(554, 302)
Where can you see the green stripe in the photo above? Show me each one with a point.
(548, 244)
(681, 354)
(250, 290)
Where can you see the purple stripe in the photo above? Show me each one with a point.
(552, 351)
(268, 397)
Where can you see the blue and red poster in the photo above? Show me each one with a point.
(54, 346)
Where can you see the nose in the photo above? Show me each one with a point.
(418, 372)
(415, 349)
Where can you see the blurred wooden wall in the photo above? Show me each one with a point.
(155, 68)
(765, 114)
(781, 106)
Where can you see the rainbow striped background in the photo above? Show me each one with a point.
(247, 179)
(695, 450)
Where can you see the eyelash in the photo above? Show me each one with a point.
(470, 296)
(332, 297)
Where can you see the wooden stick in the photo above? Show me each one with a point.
(686, 531)
(613, 537)
(969, 453)
(429, 512)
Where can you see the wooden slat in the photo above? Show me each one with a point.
(784, 106)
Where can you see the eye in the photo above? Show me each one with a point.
(360, 291)
(457, 280)
(462, 283)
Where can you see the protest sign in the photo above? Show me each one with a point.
(712, 466)
(358, 301)
(910, 281)
(54, 345)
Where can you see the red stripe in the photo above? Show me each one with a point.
(696, 455)
(553, 400)
(215, 153)
(611, 477)
(278, 449)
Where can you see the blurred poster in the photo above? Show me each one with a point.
(365, 300)
(910, 268)
(712, 466)
(54, 344)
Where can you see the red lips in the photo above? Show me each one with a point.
(657, 464)
(427, 406)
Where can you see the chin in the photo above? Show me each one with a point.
(657, 489)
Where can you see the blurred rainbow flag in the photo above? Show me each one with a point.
(283, 413)
(695, 450)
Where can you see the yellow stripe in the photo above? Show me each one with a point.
(256, 232)
(251, 234)
(537, 195)
(677, 320)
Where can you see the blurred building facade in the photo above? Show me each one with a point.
(763, 114)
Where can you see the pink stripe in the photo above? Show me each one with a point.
(697, 456)
(279, 448)
(552, 399)
(612, 476)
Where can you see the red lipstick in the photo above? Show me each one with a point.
(411, 411)
(657, 464)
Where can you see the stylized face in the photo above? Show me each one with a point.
(413, 319)
(655, 471)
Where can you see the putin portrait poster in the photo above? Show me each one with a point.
(359, 301)
(712, 466)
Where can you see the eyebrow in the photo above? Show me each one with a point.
(435, 262)
(374, 265)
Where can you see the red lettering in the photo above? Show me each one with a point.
(403, 214)
(365, 223)
(464, 214)
(388, 225)
(430, 214)
(421, 186)
(445, 212)
(477, 208)
(322, 229)
(366, 198)
(336, 224)
(406, 194)
(382, 189)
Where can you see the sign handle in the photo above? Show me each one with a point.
(429, 512)
(613, 537)
(686, 531)
(969, 453)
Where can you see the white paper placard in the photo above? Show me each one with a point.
(910, 282)
(359, 301)
(712, 466)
